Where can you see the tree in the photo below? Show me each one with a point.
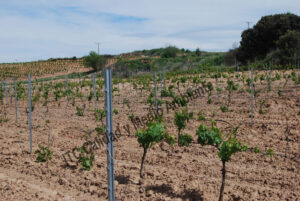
(197, 52)
(262, 38)
(95, 61)
(289, 46)
(230, 57)
(170, 52)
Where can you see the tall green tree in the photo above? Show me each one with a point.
(289, 46)
(263, 38)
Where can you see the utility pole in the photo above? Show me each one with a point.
(98, 47)
(248, 23)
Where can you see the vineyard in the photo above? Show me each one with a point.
(40, 68)
(203, 134)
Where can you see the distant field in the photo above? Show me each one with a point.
(40, 68)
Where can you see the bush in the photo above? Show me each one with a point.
(185, 140)
(226, 146)
(44, 154)
(169, 52)
(86, 159)
(79, 111)
(224, 108)
(95, 61)
(148, 137)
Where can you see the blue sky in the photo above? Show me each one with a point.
(40, 29)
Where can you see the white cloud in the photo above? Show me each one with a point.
(41, 29)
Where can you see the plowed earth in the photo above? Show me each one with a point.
(171, 173)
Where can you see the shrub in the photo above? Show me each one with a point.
(43, 154)
(226, 148)
(99, 114)
(210, 88)
(79, 111)
(180, 121)
(230, 87)
(224, 108)
(201, 116)
(279, 92)
(185, 139)
(270, 152)
(169, 52)
(95, 61)
(86, 159)
(148, 137)
(256, 150)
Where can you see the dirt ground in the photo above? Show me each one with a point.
(171, 173)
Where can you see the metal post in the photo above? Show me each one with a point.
(109, 135)
(95, 92)
(267, 77)
(2, 91)
(298, 68)
(217, 75)
(5, 91)
(119, 87)
(160, 77)
(16, 100)
(118, 77)
(252, 95)
(164, 77)
(130, 80)
(67, 86)
(235, 63)
(10, 96)
(156, 105)
(272, 64)
(270, 68)
(29, 101)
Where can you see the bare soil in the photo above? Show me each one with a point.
(171, 173)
